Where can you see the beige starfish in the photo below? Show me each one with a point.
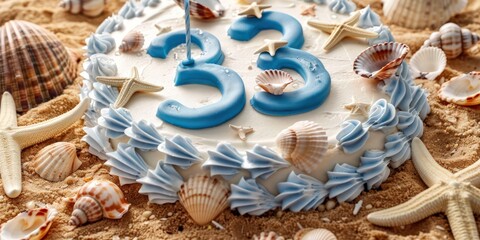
(254, 10)
(342, 30)
(129, 85)
(271, 46)
(162, 30)
(242, 131)
(358, 108)
(310, 11)
(455, 194)
(14, 138)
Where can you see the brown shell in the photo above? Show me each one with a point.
(34, 65)
(132, 42)
(204, 9)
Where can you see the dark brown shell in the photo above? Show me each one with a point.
(204, 9)
(34, 65)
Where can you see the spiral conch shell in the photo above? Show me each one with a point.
(91, 8)
(462, 90)
(303, 144)
(98, 199)
(452, 39)
(132, 42)
(31, 224)
(57, 161)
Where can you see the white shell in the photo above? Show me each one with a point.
(314, 234)
(428, 63)
(420, 14)
(380, 61)
(274, 81)
(268, 236)
(204, 198)
(132, 42)
(303, 144)
(57, 161)
(452, 39)
(462, 90)
(91, 8)
(31, 224)
(248, 2)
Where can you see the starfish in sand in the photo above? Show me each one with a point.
(161, 30)
(309, 11)
(455, 194)
(242, 131)
(254, 10)
(342, 30)
(129, 85)
(14, 138)
(271, 46)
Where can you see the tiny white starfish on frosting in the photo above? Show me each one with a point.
(161, 30)
(242, 131)
(455, 194)
(271, 46)
(14, 138)
(358, 108)
(254, 10)
(342, 30)
(130, 85)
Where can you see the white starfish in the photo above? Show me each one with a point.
(242, 131)
(254, 10)
(271, 46)
(161, 30)
(455, 194)
(358, 108)
(14, 138)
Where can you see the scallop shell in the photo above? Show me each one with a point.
(268, 236)
(204, 198)
(420, 14)
(98, 199)
(57, 161)
(132, 42)
(91, 8)
(303, 144)
(380, 61)
(452, 39)
(204, 9)
(31, 224)
(36, 67)
(314, 234)
(428, 63)
(462, 90)
(274, 81)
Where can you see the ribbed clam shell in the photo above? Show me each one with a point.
(303, 144)
(204, 198)
(35, 66)
(452, 39)
(57, 161)
(380, 61)
(314, 234)
(132, 42)
(204, 9)
(274, 81)
(420, 14)
(428, 63)
(462, 90)
(91, 8)
(31, 224)
(268, 236)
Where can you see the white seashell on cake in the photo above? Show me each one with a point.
(132, 42)
(248, 2)
(462, 90)
(274, 81)
(91, 8)
(314, 234)
(31, 224)
(428, 63)
(57, 161)
(204, 9)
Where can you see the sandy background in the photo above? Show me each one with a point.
(452, 134)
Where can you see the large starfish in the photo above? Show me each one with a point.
(129, 85)
(14, 138)
(342, 30)
(454, 194)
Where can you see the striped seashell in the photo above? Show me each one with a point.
(204, 9)
(36, 67)
(32, 224)
(98, 199)
(57, 161)
(274, 81)
(91, 8)
(314, 234)
(428, 63)
(420, 14)
(380, 61)
(452, 39)
(132, 42)
(268, 236)
(462, 90)
(204, 198)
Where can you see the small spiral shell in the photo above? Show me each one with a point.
(132, 42)
(452, 39)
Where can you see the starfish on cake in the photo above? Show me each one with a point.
(130, 85)
(342, 30)
(14, 138)
(455, 194)
(358, 108)
(310, 11)
(271, 46)
(161, 30)
(242, 131)
(254, 10)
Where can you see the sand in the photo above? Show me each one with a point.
(452, 134)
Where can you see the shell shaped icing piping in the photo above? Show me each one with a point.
(342, 6)
(368, 18)
(249, 197)
(301, 193)
(400, 92)
(352, 137)
(99, 43)
(384, 35)
(344, 183)
(100, 65)
(320, 2)
(410, 124)
(373, 168)
(31, 224)
(382, 116)
(127, 164)
(419, 102)
(262, 162)
(131, 10)
(110, 24)
(115, 121)
(97, 141)
(150, 3)
(180, 152)
(56, 161)
(161, 184)
(144, 136)
(397, 149)
(225, 161)
(102, 96)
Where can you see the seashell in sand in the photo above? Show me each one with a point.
(204, 9)
(98, 199)
(268, 236)
(420, 14)
(57, 161)
(428, 63)
(132, 42)
(314, 234)
(380, 61)
(91, 8)
(274, 81)
(303, 144)
(462, 90)
(452, 39)
(204, 198)
(31, 224)
(36, 67)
